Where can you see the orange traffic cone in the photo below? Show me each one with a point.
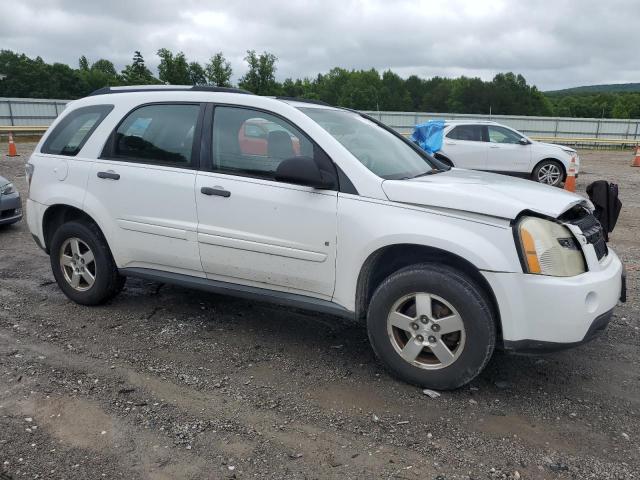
(636, 160)
(570, 182)
(13, 151)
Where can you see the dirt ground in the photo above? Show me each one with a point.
(166, 383)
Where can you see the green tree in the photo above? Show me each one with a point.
(218, 71)
(173, 69)
(436, 95)
(104, 66)
(137, 73)
(83, 63)
(507, 93)
(261, 76)
(394, 93)
(63, 81)
(415, 87)
(196, 74)
(362, 91)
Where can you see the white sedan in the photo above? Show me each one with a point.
(484, 145)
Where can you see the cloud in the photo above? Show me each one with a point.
(553, 44)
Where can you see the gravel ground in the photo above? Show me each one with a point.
(167, 383)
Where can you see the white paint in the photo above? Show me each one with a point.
(296, 239)
(502, 157)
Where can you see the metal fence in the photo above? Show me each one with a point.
(577, 131)
(29, 111)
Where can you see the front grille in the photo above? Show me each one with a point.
(592, 230)
(8, 213)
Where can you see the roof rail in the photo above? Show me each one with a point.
(304, 100)
(166, 88)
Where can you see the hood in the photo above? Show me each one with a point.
(555, 145)
(481, 192)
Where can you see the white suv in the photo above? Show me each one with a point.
(483, 145)
(322, 208)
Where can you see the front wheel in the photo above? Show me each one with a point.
(549, 172)
(82, 264)
(431, 326)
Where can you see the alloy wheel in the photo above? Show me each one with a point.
(550, 174)
(426, 331)
(78, 264)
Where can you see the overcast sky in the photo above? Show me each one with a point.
(553, 43)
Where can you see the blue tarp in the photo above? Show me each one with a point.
(429, 135)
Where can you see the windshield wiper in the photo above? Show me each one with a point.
(430, 172)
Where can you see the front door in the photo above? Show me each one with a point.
(506, 153)
(253, 229)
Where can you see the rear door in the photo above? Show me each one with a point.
(142, 188)
(465, 145)
(506, 153)
(253, 229)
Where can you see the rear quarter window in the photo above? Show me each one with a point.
(73, 131)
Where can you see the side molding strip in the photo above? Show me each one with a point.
(241, 291)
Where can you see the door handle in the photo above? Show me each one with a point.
(494, 146)
(111, 175)
(220, 192)
(449, 143)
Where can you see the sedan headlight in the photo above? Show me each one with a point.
(548, 248)
(7, 189)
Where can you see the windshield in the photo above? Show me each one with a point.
(377, 149)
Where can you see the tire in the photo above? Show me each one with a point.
(78, 239)
(455, 301)
(549, 172)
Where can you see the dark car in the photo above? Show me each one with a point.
(10, 205)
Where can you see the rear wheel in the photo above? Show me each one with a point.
(549, 172)
(82, 264)
(431, 326)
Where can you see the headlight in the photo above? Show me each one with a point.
(548, 248)
(570, 151)
(7, 189)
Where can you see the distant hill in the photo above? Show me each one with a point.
(605, 88)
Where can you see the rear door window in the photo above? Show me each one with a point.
(470, 133)
(157, 134)
(73, 131)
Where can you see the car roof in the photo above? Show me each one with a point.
(470, 122)
(158, 90)
(166, 88)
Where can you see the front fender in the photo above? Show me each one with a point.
(365, 226)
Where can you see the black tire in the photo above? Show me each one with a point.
(107, 283)
(464, 295)
(535, 175)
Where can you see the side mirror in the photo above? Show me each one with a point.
(524, 141)
(302, 171)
